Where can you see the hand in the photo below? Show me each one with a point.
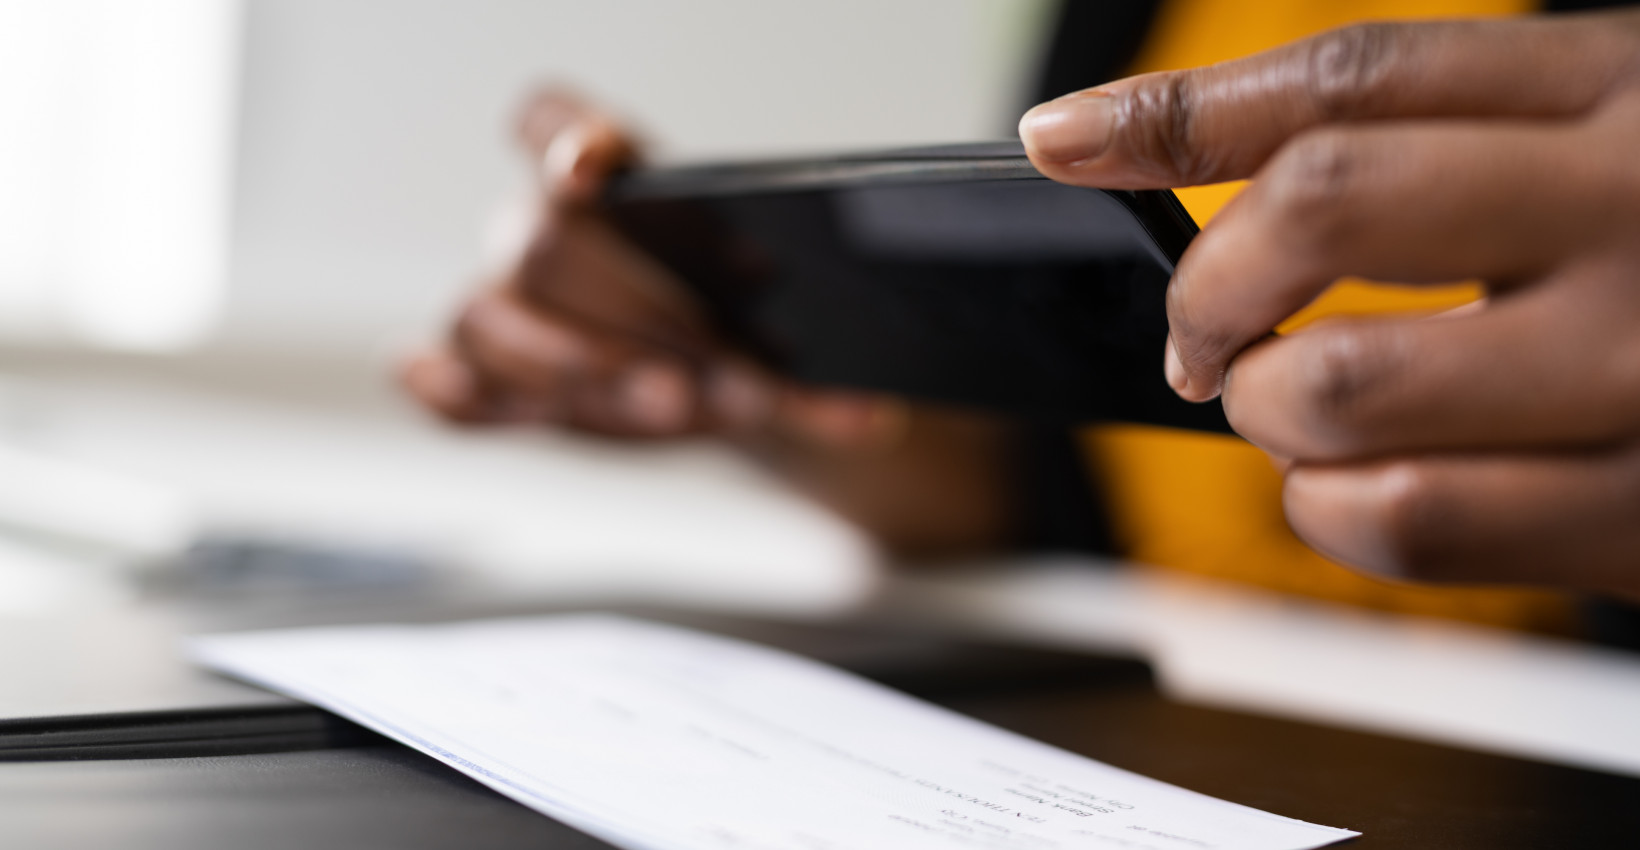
(1496, 444)
(585, 331)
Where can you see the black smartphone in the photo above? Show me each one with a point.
(957, 275)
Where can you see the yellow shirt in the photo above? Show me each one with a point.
(1212, 505)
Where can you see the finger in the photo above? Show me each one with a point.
(725, 396)
(442, 382)
(1411, 203)
(578, 162)
(1536, 370)
(649, 397)
(573, 146)
(841, 419)
(507, 344)
(740, 398)
(579, 265)
(1548, 519)
(572, 372)
(1222, 122)
(545, 113)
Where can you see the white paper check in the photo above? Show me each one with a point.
(655, 737)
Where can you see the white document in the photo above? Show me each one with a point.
(655, 737)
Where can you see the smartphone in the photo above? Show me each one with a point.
(955, 275)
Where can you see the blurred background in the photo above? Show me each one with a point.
(223, 220)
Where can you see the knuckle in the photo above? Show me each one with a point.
(1348, 67)
(1626, 38)
(1626, 477)
(1602, 169)
(1343, 372)
(1311, 184)
(1157, 121)
(1413, 513)
(1621, 169)
(1618, 416)
(474, 319)
(507, 337)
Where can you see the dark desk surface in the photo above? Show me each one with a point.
(368, 793)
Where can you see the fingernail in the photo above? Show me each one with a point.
(1173, 367)
(654, 397)
(1072, 128)
(563, 154)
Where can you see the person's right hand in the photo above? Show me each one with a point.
(1500, 444)
(584, 330)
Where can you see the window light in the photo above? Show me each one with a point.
(116, 122)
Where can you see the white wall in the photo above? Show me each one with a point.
(374, 144)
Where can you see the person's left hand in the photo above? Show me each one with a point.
(583, 330)
(1501, 444)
